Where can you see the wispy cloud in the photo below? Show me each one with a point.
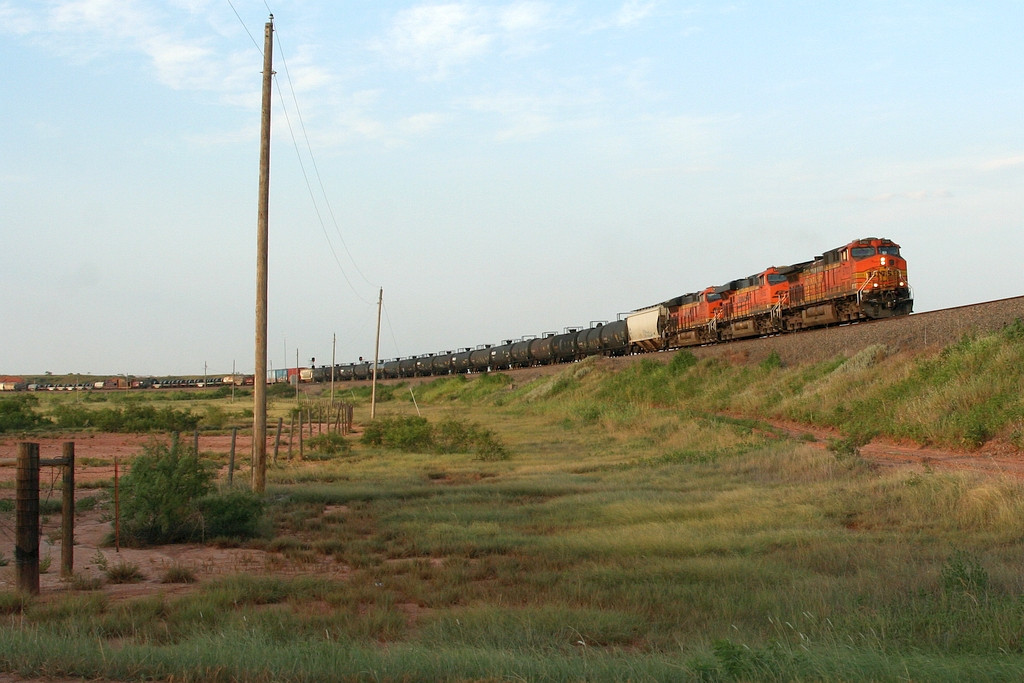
(524, 16)
(633, 12)
(1003, 162)
(907, 196)
(86, 30)
(436, 38)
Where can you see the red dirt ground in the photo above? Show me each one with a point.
(94, 454)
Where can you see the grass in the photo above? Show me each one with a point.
(647, 524)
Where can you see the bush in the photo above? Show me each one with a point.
(234, 513)
(159, 494)
(414, 434)
(403, 432)
(281, 390)
(16, 414)
(328, 443)
(131, 418)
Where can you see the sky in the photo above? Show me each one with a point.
(499, 169)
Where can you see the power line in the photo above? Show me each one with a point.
(316, 169)
(246, 28)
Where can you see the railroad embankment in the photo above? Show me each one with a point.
(917, 332)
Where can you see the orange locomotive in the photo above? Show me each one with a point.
(864, 279)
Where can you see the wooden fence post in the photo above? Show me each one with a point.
(67, 512)
(117, 507)
(231, 458)
(291, 435)
(26, 549)
(277, 440)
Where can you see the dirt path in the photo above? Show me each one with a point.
(995, 457)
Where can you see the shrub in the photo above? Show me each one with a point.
(489, 447)
(16, 414)
(281, 390)
(415, 434)
(235, 513)
(453, 436)
(216, 417)
(403, 432)
(131, 418)
(328, 443)
(158, 495)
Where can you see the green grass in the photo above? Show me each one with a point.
(647, 524)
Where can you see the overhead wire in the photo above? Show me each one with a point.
(316, 170)
(246, 28)
(302, 165)
(305, 176)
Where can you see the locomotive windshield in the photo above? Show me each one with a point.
(776, 279)
(859, 253)
(889, 250)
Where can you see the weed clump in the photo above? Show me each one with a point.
(124, 572)
(963, 574)
(178, 574)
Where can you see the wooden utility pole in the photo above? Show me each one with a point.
(259, 411)
(376, 358)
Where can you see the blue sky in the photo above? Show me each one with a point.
(499, 168)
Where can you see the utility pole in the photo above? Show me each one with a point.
(376, 358)
(334, 350)
(259, 411)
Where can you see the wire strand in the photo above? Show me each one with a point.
(305, 175)
(258, 48)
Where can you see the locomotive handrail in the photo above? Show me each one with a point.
(860, 290)
(776, 311)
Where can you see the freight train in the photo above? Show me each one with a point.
(863, 280)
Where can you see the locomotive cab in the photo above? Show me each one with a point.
(880, 277)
